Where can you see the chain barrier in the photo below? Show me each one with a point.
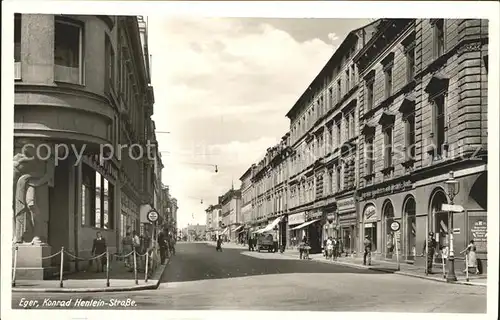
(149, 267)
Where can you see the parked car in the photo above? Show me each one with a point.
(265, 241)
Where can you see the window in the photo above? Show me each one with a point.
(97, 200)
(410, 64)
(439, 124)
(347, 81)
(337, 182)
(88, 195)
(388, 146)
(369, 95)
(410, 135)
(369, 155)
(17, 37)
(68, 52)
(353, 76)
(337, 133)
(438, 38)
(388, 81)
(339, 90)
(110, 62)
(330, 97)
(331, 181)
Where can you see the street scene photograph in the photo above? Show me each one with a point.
(188, 162)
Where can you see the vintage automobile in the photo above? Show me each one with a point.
(265, 241)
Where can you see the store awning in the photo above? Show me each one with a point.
(273, 224)
(237, 228)
(305, 224)
(259, 231)
(225, 230)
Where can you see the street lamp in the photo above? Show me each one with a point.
(453, 189)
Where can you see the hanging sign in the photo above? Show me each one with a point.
(395, 226)
(152, 216)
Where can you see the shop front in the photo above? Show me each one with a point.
(369, 225)
(295, 235)
(347, 221)
(331, 224)
(314, 229)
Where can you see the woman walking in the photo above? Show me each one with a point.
(470, 251)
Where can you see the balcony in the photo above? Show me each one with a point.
(17, 70)
(67, 74)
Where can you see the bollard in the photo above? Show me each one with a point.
(107, 268)
(135, 268)
(443, 263)
(61, 268)
(146, 267)
(15, 267)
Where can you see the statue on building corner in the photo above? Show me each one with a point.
(26, 214)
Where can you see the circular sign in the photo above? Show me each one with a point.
(152, 216)
(395, 226)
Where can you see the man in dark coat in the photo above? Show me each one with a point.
(431, 247)
(368, 251)
(162, 242)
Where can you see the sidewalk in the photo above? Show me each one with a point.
(228, 245)
(391, 267)
(90, 281)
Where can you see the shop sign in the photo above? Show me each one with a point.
(370, 213)
(346, 204)
(395, 226)
(297, 218)
(394, 188)
(315, 214)
(479, 232)
(349, 216)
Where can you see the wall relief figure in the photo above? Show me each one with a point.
(26, 217)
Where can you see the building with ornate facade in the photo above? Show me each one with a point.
(213, 221)
(423, 115)
(83, 81)
(230, 204)
(246, 200)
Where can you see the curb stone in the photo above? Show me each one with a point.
(142, 287)
(401, 273)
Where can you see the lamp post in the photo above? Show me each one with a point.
(453, 189)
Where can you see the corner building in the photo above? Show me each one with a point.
(423, 113)
(84, 81)
(324, 142)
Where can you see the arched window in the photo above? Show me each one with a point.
(388, 217)
(439, 217)
(410, 224)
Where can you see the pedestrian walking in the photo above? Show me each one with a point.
(431, 246)
(250, 244)
(219, 244)
(367, 256)
(99, 247)
(470, 251)
(162, 243)
(127, 247)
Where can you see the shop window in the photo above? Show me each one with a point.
(388, 214)
(88, 195)
(97, 200)
(68, 53)
(440, 226)
(410, 228)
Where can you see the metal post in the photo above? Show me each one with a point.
(61, 268)
(107, 268)
(15, 267)
(466, 267)
(135, 267)
(146, 267)
(443, 263)
(426, 245)
(451, 277)
(397, 250)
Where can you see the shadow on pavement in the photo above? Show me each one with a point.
(199, 261)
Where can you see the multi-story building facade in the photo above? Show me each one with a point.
(170, 210)
(324, 140)
(83, 81)
(423, 114)
(230, 204)
(246, 200)
(270, 190)
(213, 221)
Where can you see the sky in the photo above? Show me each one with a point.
(222, 89)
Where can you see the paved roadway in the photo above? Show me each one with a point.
(198, 277)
